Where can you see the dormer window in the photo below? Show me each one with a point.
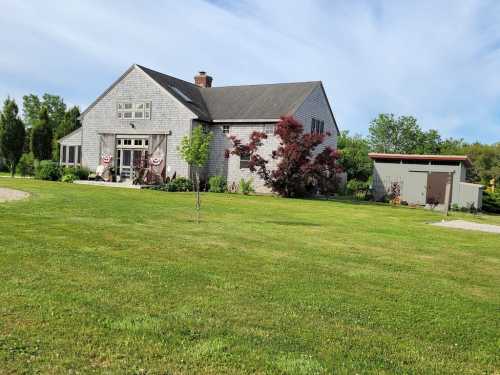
(133, 111)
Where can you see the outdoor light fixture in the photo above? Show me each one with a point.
(132, 125)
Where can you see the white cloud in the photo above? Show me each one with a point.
(436, 60)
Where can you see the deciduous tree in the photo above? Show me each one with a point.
(195, 151)
(299, 172)
(32, 105)
(354, 156)
(402, 135)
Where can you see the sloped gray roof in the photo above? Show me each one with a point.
(186, 92)
(253, 102)
(247, 102)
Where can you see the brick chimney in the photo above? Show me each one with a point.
(202, 79)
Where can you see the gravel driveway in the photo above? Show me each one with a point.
(469, 225)
(11, 195)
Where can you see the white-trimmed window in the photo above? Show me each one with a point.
(244, 161)
(225, 129)
(269, 129)
(317, 126)
(71, 155)
(133, 111)
(137, 142)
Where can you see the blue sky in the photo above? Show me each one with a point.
(436, 60)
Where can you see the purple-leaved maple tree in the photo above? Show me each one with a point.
(299, 171)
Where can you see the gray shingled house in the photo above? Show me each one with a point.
(144, 115)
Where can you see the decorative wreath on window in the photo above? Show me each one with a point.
(156, 161)
(106, 159)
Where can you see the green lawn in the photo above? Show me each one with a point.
(124, 281)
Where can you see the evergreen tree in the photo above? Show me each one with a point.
(69, 123)
(41, 137)
(12, 134)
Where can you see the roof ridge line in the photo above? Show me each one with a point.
(262, 84)
(168, 75)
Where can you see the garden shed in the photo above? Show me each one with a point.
(423, 180)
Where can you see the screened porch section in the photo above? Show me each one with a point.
(71, 155)
(70, 149)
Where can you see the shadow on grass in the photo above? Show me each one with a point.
(293, 223)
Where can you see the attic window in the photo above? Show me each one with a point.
(137, 110)
(181, 94)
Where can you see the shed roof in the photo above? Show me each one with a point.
(443, 158)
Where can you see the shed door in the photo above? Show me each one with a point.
(436, 187)
(416, 188)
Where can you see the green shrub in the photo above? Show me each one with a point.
(69, 178)
(359, 189)
(245, 186)
(79, 172)
(26, 165)
(178, 184)
(217, 184)
(356, 186)
(48, 170)
(491, 202)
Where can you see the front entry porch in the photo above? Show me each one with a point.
(132, 158)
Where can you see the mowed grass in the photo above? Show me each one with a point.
(104, 280)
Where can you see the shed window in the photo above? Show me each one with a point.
(244, 161)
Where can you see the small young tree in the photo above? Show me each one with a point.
(12, 134)
(195, 151)
(41, 137)
(298, 172)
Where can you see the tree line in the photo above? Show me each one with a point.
(35, 134)
(390, 134)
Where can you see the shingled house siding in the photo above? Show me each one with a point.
(316, 106)
(72, 139)
(230, 168)
(167, 114)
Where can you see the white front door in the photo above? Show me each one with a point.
(129, 153)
